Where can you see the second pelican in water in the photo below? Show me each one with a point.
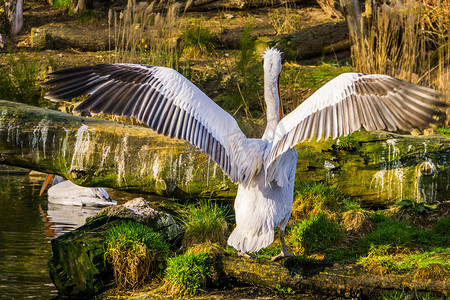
(263, 168)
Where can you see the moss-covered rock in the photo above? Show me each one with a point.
(78, 266)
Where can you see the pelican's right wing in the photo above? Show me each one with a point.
(352, 100)
(168, 103)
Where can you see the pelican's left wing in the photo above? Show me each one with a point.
(352, 100)
(168, 103)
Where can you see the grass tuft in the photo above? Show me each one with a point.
(314, 234)
(136, 252)
(389, 232)
(312, 198)
(204, 222)
(186, 274)
(198, 40)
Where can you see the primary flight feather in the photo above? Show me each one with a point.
(264, 169)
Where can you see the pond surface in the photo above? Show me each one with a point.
(27, 225)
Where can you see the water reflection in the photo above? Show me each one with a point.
(27, 225)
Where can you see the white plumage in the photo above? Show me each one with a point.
(263, 168)
(65, 192)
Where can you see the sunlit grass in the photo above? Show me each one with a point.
(186, 274)
(312, 198)
(314, 234)
(136, 252)
(204, 222)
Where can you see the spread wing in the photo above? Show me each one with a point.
(168, 103)
(352, 100)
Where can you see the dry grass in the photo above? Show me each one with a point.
(409, 41)
(143, 34)
(356, 222)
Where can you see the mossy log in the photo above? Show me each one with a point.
(308, 42)
(92, 152)
(313, 41)
(376, 168)
(303, 276)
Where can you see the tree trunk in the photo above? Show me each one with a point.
(13, 16)
(79, 6)
(352, 12)
(375, 168)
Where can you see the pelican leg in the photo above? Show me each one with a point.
(284, 252)
(245, 254)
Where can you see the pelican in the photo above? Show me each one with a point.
(264, 169)
(67, 193)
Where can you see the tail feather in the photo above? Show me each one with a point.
(244, 241)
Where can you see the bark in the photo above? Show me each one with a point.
(13, 16)
(312, 41)
(376, 168)
(352, 12)
(79, 6)
(309, 42)
(325, 278)
(93, 152)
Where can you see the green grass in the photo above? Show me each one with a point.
(316, 197)
(136, 252)
(186, 274)
(20, 81)
(204, 222)
(442, 226)
(198, 40)
(444, 132)
(389, 232)
(244, 88)
(314, 234)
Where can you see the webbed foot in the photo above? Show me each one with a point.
(281, 256)
(245, 254)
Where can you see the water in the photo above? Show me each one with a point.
(27, 225)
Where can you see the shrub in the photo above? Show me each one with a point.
(136, 252)
(186, 274)
(205, 222)
(389, 232)
(314, 234)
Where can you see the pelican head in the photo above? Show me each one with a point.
(272, 70)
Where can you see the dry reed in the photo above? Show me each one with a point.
(408, 40)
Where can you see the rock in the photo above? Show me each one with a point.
(140, 211)
(78, 267)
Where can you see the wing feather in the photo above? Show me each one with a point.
(352, 100)
(169, 104)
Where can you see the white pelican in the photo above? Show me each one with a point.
(66, 192)
(263, 168)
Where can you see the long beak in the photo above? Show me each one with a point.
(46, 182)
(280, 105)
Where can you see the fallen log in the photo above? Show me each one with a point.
(313, 41)
(92, 152)
(323, 277)
(308, 42)
(375, 168)
(78, 266)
